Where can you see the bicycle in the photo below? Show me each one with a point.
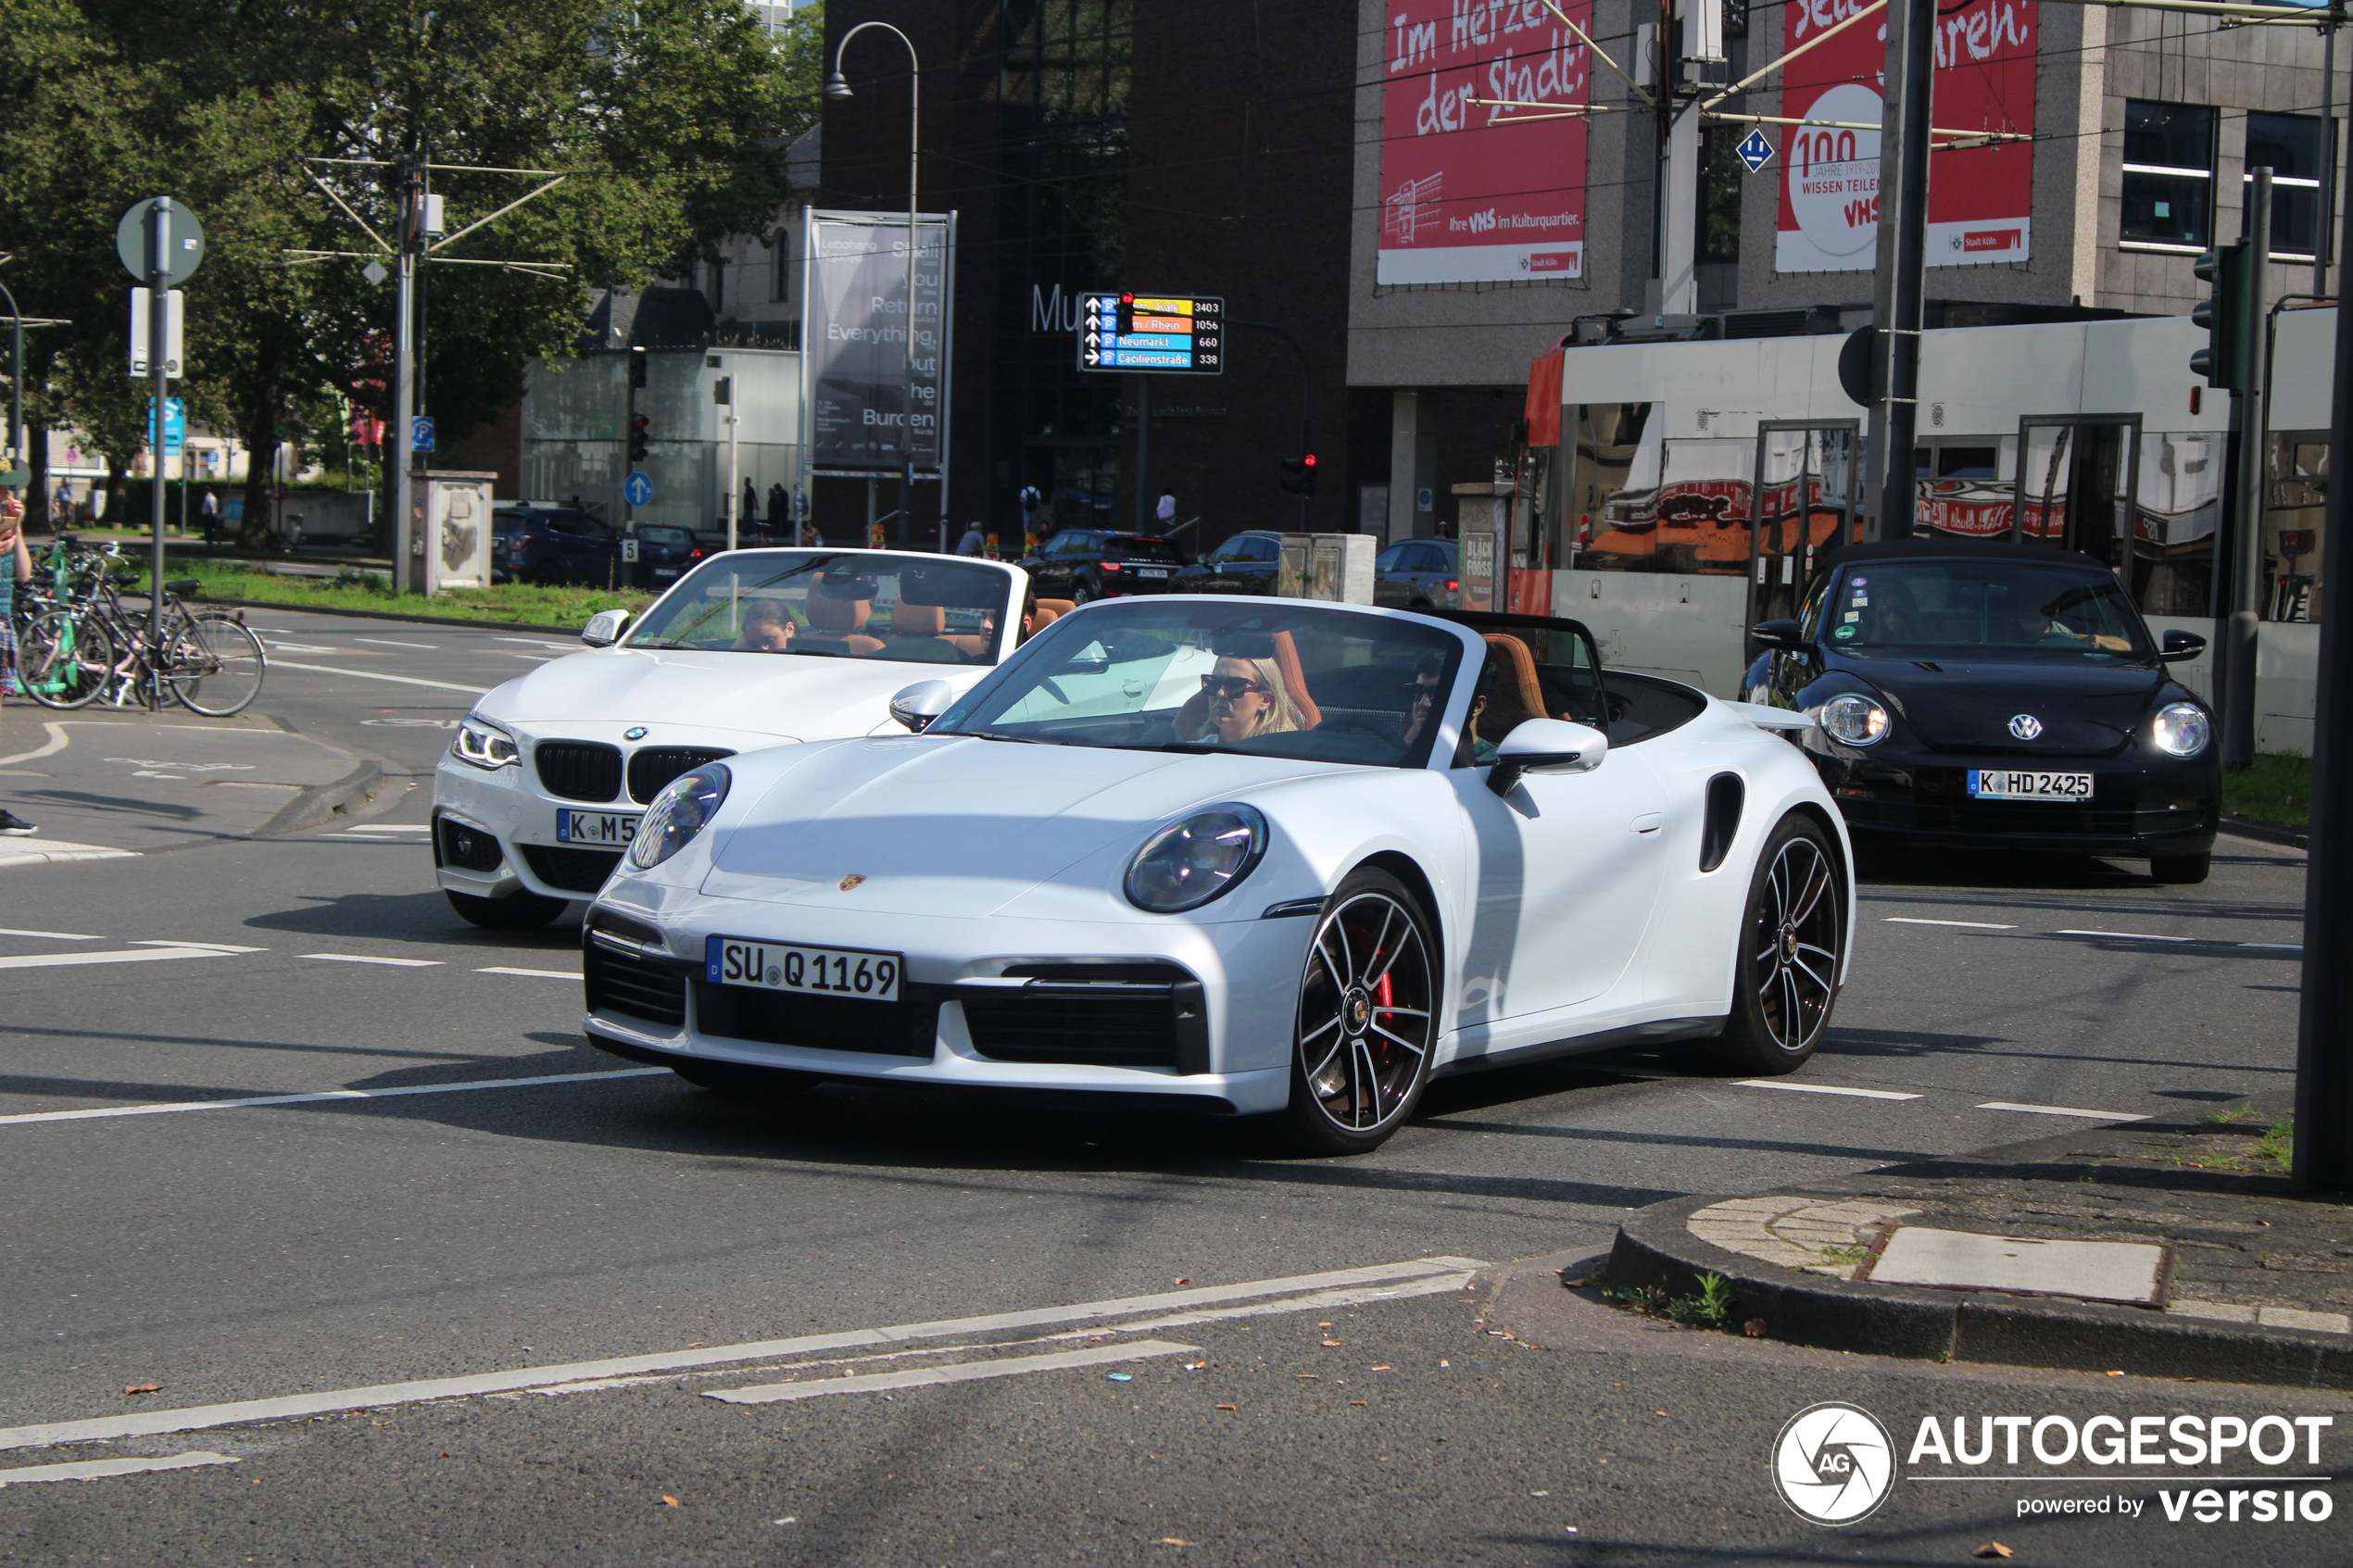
(64, 653)
(210, 663)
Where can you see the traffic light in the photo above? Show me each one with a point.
(1299, 474)
(640, 439)
(637, 367)
(2230, 317)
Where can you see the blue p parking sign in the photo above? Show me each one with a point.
(639, 489)
(420, 433)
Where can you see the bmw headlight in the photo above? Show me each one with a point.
(2182, 728)
(1855, 719)
(484, 745)
(1186, 864)
(684, 808)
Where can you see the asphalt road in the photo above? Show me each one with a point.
(570, 1267)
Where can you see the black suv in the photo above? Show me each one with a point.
(1079, 564)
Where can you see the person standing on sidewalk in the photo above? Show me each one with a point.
(16, 567)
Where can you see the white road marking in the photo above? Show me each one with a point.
(535, 658)
(52, 935)
(387, 642)
(51, 960)
(363, 958)
(2276, 946)
(1969, 924)
(32, 852)
(1820, 1089)
(534, 973)
(100, 1113)
(959, 1372)
(148, 1423)
(97, 1469)
(276, 646)
(202, 946)
(377, 675)
(55, 743)
(2126, 935)
(537, 643)
(392, 827)
(2063, 1110)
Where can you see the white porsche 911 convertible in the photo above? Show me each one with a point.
(543, 787)
(1270, 855)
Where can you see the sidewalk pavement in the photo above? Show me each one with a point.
(2237, 1280)
(102, 784)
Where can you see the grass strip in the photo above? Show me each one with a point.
(369, 590)
(2278, 789)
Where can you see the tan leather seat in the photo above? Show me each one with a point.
(1513, 694)
(1050, 611)
(841, 619)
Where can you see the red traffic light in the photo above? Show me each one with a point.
(1309, 460)
(1126, 299)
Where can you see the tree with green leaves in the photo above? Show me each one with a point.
(285, 126)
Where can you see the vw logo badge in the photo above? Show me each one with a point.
(1833, 1463)
(637, 732)
(2025, 726)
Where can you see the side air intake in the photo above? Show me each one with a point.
(1726, 795)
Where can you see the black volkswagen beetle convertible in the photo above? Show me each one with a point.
(1997, 695)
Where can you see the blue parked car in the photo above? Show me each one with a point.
(553, 545)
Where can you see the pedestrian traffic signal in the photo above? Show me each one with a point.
(2230, 317)
(1299, 474)
(640, 439)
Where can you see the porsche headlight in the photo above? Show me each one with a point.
(1186, 864)
(684, 808)
(484, 745)
(2183, 729)
(1855, 719)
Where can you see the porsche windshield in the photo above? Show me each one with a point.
(834, 604)
(2007, 609)
(1330, 686)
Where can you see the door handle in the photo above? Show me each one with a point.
(1650, 822)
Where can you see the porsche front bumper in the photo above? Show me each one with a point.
(1204, 1010)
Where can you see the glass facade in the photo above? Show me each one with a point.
(1062, 104)
(2169, 173)
(2290, 145)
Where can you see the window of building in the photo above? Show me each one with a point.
(2168, 174)
(780, 257)
(2290, 145)
(718, 288)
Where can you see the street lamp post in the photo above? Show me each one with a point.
(837, 86)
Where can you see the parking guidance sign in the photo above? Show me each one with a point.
(1160, 333)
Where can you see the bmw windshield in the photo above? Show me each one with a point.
(2012, 610)
(834, 604)
(1330, 686)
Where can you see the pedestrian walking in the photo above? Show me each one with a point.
(1033, 510)
(750, 516)
(973, 543)
(779, 511)
(16, 567)
(209, 515)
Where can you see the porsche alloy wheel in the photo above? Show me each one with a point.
(1366, 1007)
(1787, 969)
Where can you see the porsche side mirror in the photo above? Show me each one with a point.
(2179, 646)
(1784, 635)
(1546, 746)
(918, 704)
(604, 627)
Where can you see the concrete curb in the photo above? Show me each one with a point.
(391, 615)
(324, 802)
(2265, 832)
(1653, 1248)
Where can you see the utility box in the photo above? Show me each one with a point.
(1482, 542)
(451, 549)
(1335, 568)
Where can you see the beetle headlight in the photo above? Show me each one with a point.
(484, 745)
(1186, 864)
(1855, 719)
(684, 808)
(2182, 728)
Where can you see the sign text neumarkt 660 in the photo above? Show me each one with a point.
(1156, 334)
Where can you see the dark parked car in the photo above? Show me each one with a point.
(1246, 563)
(1079, 564)
(1997, 695)
(663, 555)
(1417, 574)
(551, 544)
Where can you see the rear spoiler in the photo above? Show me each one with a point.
(1766, 718)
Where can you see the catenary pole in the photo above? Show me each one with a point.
(404, 381)
(1896, 304)
(160, 387)
(2322, 1160)
(837, 86)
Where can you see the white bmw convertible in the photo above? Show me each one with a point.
(543, 787)
(1268, 855)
